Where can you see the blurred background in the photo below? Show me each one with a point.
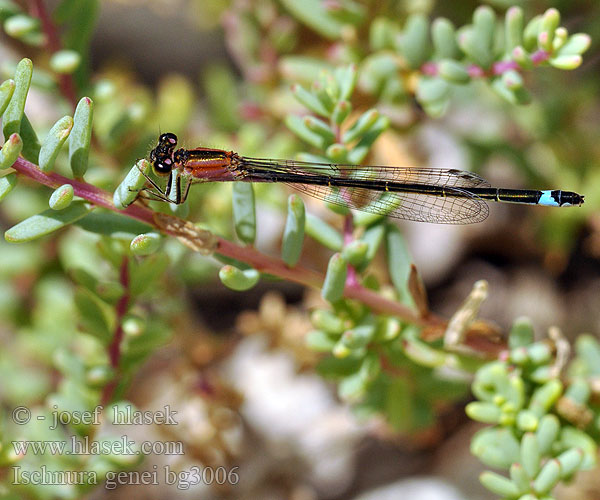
(234, 365)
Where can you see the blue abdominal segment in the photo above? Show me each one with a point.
(548, 199)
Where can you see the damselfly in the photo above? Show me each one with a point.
(418, 194)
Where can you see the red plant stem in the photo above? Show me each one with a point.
(251, 256)
(351, 278)
(114, 349)
(66, 84)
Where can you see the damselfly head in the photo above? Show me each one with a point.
(162, 155)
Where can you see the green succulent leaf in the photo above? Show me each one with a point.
(145, 244)
(80, 137)
(415, 43)
(131, 185)
(443, 34)
(6, 92)
(293, 234)
(7, 183)
(335, 279)
(323, 233)
(244, 211)
(62, 197)
(31, 144)
(47, 222)
(237, 279)
(10, 151)
(13, 114)
(314, 14)
(54, 140)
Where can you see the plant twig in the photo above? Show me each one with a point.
(66, 83)
(114, 349)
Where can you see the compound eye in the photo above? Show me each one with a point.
(163, 167)
(168, 139)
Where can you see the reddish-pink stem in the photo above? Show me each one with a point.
(114, 349)
(67, 86)
(351, 277)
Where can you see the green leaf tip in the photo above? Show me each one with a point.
(356, 253)
(309, 100)
(13, 114)
(549, 24)
(9, 8)
(361, 126)
(62, 197)
(568, 62)
(21, 25)
(319, 341)
(433, 94)
(145, 244)
(238, 280)
(244, 211)
(314, 14)
(488, 413)
(415, 43)
(335, 278)
(7, 183)
(328, 322)
(322, 232)
(358, 337)
(548, 477)
(547, 432)
(521, 334)
(341, 111)
(499, 484)
(424, 355)
(293, 234)
(513, 28)
(129, 188)
(531, 457)
(65, 61)
(54, 140)
(325, 89)
(453, 71)
(321, 128)
(544, 397)
(346, 77)
(6, 92)
(576, 44)
(496, 447)
(570, 461)
(80, 137)
(297, 125)
(443, 35)
(31, 144)
(45, 223)
(10, 151)
(399, 259)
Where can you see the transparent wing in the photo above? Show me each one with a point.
(416, 175)
(457, 207)
(463, 208)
